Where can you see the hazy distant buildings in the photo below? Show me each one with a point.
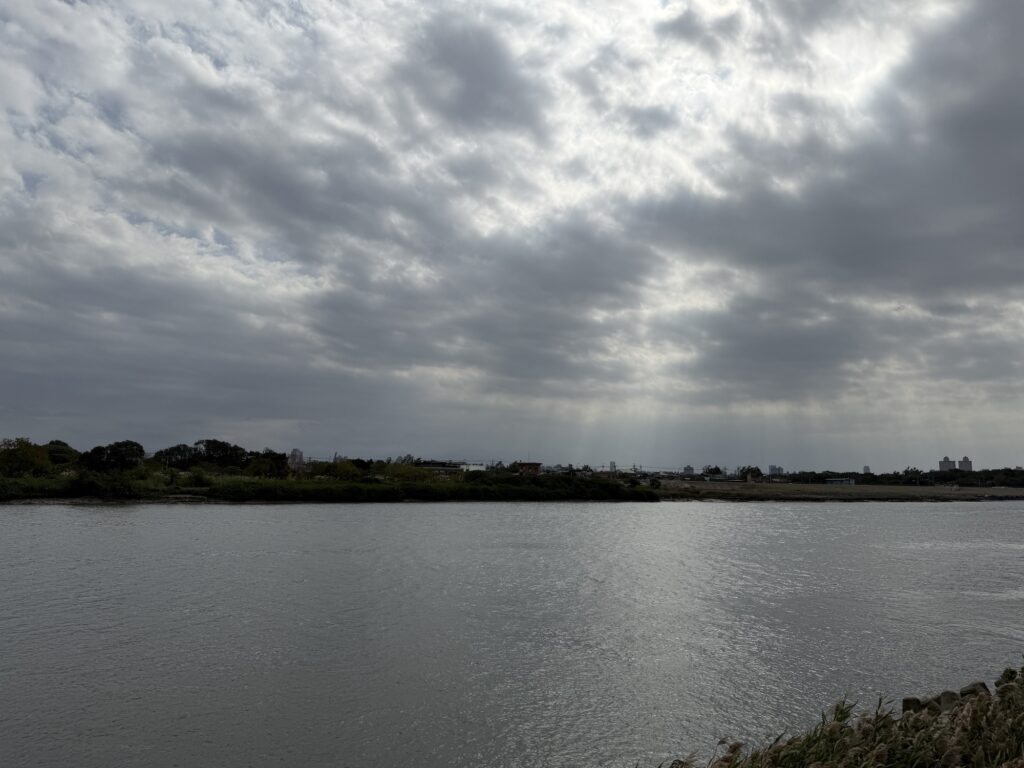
(611, 466)
(531, 468)
(557, 469)
(688, 469)
(867, 470)
(775, 470)
(296, 461)
(964, 465)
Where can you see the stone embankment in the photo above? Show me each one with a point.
(946, 701)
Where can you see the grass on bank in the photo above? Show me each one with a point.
(229, 488)
(981, 731)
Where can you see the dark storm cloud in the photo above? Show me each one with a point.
(710, 35)
(465, 73)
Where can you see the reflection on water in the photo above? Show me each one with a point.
(458, 635)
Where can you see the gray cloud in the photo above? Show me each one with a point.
(605, 64)
(648, 122)
(298, 234)
(465, 73)
(922, 214)
(708, 35)
(515, 313)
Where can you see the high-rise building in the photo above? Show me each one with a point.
(775, 469)
(867, 470)
(965, 465)
(946, 464)
(688, 469)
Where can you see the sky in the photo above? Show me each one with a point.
(785, 231)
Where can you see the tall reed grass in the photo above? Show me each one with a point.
(979, 731)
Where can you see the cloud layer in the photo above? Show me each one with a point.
(760, 231)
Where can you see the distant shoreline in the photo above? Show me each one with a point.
(801, 492)
(737, 492)
(234, 489)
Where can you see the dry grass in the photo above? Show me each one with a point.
(809, 492)
(981, 731)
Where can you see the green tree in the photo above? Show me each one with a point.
(221, 454)
(266, 463)
(60, 453)
(115, 457)
(20, 457)
(179, 456)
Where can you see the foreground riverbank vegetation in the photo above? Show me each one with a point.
(972, 727)
(214, 470)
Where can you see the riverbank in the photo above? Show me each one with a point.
(241, 489)
(970, 727)
(234, 489)
(813, 492)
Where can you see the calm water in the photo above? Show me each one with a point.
(497, 634)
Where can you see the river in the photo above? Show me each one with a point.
(462, 635)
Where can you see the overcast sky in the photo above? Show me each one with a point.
(786, 231)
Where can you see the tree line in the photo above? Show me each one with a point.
(20, 457)
(219, 470)
(981, 478)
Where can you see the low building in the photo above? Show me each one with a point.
(440, 468)
(557, 469)
(840, 481)
(531, 468)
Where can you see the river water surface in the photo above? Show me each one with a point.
(482, 634)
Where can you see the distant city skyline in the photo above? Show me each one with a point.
(742, 232)
(296, 455)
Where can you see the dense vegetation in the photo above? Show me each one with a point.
(981, 731)
(219, 471)
(983, 478)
